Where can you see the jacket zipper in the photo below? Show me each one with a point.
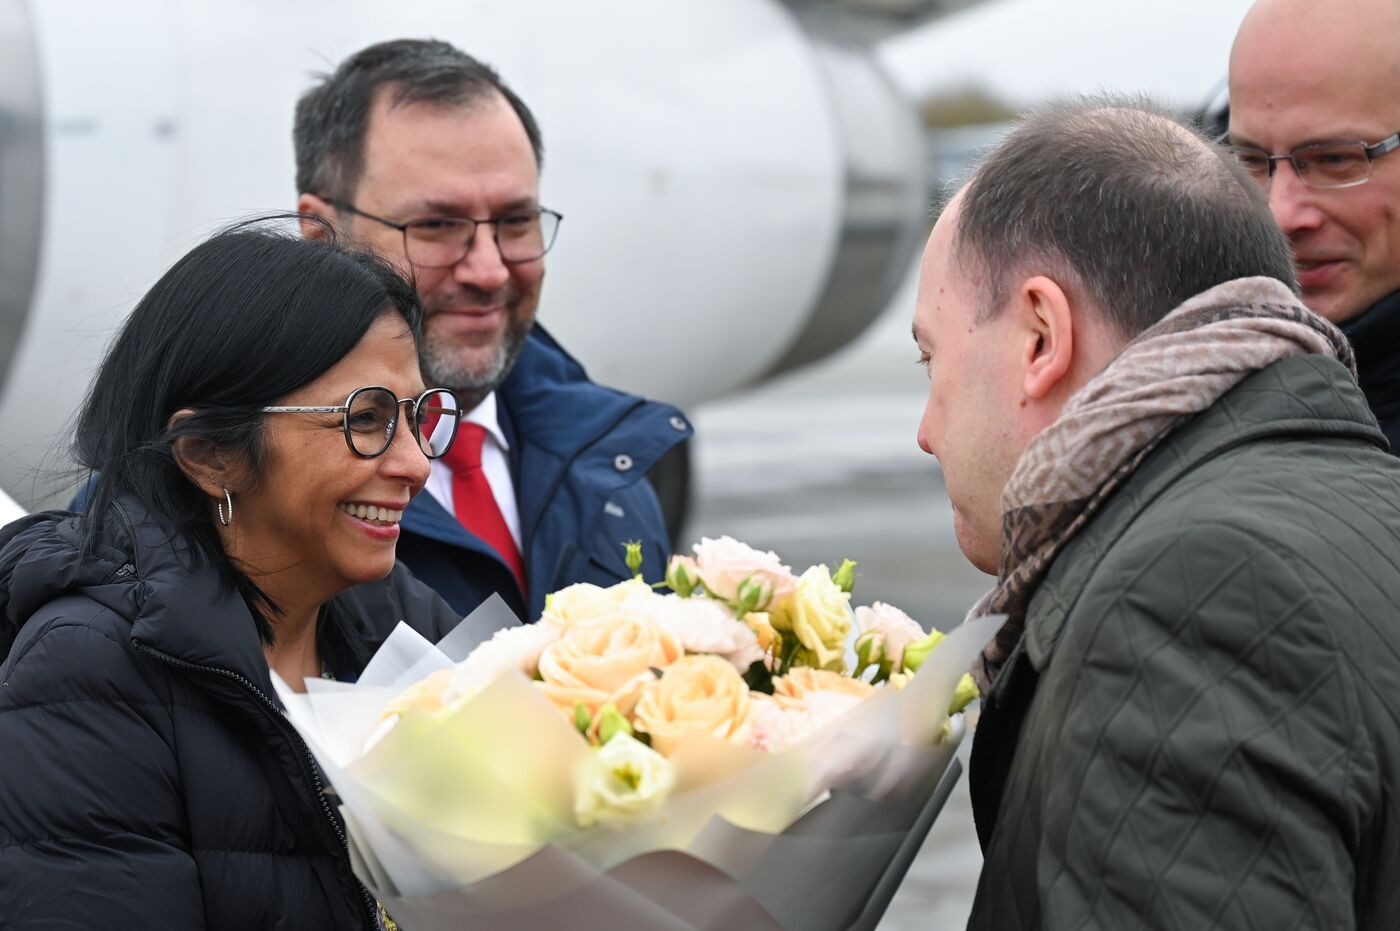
(309, 763)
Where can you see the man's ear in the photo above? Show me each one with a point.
(1049, 342)
(314, 206)
(203, 463)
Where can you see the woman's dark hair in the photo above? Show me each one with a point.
(244, 318)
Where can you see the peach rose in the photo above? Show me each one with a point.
(425, 695)
(793, 689)
(819, 693)
(605, 661)
(428, 695)
(736, 573)
(583, 603)
(701, 694)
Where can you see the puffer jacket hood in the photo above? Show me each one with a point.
(143, 573)
(41, 559)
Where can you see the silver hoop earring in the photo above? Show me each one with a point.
(226, 519)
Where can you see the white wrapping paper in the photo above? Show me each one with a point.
(466, 821)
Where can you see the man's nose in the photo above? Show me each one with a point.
(922, 435)
(482, 266)
(1293, 203)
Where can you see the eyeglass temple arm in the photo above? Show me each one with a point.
(1384, 147)
(305, 410)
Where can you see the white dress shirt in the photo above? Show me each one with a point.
(495, 463)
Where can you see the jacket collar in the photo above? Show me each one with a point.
(140, 571)
(551, 414)
(40, 561)
(1300, 395)
(548, 399)
(184, 612)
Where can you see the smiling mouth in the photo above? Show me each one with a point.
(372, 513)
(470, 316)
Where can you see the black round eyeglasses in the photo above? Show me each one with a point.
(371, 415)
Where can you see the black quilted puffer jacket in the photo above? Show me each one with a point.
(1201, 726)
(148, 779)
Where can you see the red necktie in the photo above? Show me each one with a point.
(473, 501)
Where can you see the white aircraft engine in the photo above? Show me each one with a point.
(740, 197)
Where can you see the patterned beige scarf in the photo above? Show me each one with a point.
(1169, 373)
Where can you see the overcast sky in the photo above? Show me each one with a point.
(1025, 51)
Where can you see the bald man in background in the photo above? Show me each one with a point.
(1321, 82)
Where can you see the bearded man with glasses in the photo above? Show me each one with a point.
(1314, 116)
(423, 154)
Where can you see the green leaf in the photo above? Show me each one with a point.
(612, 724)
(582, 718)
(845, 577)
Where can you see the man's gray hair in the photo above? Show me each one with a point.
(1119, 201)
(332, 118)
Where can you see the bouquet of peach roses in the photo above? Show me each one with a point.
(645, 759)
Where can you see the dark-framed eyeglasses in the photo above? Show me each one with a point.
(1321, 165)
(371, 415)
(440, 242)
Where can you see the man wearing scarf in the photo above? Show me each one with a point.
(1315, 81)
(1191, 717)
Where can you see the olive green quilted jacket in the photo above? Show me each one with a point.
(1201, 726)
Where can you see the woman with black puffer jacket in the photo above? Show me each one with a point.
(257, 429)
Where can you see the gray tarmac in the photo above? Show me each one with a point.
(823, 465)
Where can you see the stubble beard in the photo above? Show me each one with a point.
(447, 366)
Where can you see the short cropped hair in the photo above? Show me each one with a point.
(1119, 200)
(332, 118)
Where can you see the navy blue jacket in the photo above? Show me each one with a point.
(149, 777)
(579, 453)
(1375, 336)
